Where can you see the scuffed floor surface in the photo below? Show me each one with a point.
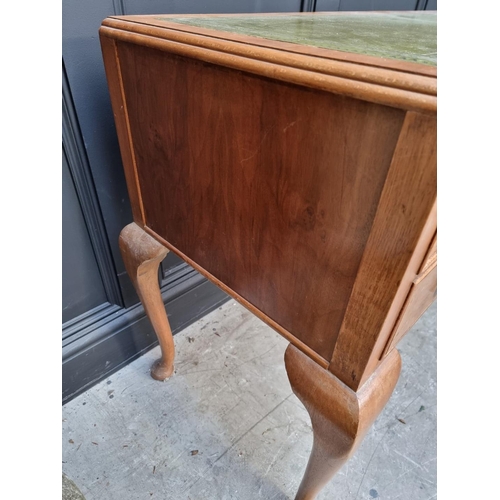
(227, 426)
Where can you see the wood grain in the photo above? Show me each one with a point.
(421, 296)
(303, 183)
(142, 255)
(270, 187)
(327, 65)
(340, 417)
(118, 102)
(168, 22)
(402, 231)
(273, 66)
(430, 259)
(244, 302)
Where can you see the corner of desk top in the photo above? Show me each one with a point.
(403, 84)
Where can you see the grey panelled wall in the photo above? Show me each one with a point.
(208, 6)
(82, 286)
(378, 5)
(364, 5)
(104, 325)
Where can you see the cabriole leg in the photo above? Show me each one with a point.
(340, 417)
(142, 255)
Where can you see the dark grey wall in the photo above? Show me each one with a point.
(82, 285)
(365, 5)
(378, 5)
(208, 6)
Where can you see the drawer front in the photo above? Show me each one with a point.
(421, 296)
(430, 260)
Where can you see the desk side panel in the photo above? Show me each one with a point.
(270, 187)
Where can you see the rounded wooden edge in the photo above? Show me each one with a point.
(354, 410)
(275, 326)
(313, 62)
(139, 245)
(376, 85)
(169, 21)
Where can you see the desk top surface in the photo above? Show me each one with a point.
(404, 36)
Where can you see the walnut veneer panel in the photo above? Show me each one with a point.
(270, 187)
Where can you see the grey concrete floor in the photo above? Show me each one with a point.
(227, 425)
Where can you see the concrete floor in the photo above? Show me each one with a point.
(227, 425)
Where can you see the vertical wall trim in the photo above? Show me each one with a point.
(79, 167)
(308, 5)
(119, 7)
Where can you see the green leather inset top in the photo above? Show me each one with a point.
(405, 36)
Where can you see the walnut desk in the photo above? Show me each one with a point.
(291, 159)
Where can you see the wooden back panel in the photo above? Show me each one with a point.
(270, 187)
